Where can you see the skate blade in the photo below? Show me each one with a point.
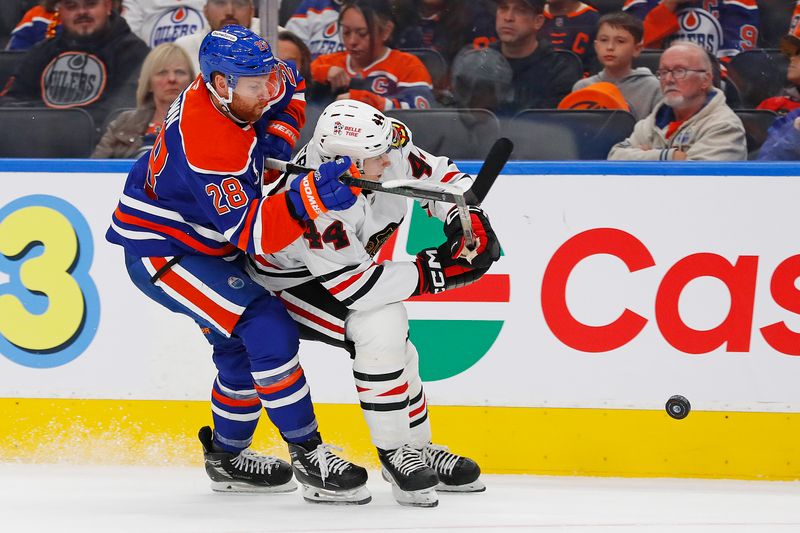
(357, 496)
(475, 486)
(412, 498)
(241, 486)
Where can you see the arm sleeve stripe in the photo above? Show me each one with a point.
(244, 236)
(366, 287)
(339, 287)
(336, 273)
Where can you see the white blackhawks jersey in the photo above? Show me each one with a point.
(163, 21)
(339, 247)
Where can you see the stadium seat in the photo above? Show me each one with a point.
(455, 133)
(10, 13)
(571, 57)
(606, 6)
(774, 19)
(756, 123)
(759, 74)
(8, 63)
(545, 134)
(433, 61)
(39, 132)
(286, 10)
(111, 117)
(648, 58)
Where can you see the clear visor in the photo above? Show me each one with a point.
(259, 88)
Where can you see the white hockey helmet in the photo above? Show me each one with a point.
(354, 129)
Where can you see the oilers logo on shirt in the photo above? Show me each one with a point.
(73, 79)
(700, 27)
(175, 23)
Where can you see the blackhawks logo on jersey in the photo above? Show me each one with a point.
(399, 135)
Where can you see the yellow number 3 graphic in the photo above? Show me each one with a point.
(49, 300)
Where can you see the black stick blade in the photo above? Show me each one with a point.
(491, 168)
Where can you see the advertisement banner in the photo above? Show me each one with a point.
(615, 290)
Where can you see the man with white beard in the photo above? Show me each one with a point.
(692, 122)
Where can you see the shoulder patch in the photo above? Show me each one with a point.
(400, 135)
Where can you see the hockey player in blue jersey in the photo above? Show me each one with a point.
(188, 212)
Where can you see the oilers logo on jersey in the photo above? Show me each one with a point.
(331, 30)
(700, 27)
(175, 23)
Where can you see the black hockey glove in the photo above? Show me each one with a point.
(488, 245)
(438, 272)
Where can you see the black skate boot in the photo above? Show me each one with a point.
(325, 477)
(246, 471)
(413, 481)
(456, 473)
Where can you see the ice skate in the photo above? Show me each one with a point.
(325, 477)
(246, 471)
(456, 473)
(413, 481)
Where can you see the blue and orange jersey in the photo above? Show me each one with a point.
(723, 27)
(198, 191)
(36, 25)
(316, 22)
(574, 31)
(398, 76)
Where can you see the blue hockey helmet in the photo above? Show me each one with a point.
(235, 51)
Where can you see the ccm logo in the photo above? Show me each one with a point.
(437, 276)
(739, 279)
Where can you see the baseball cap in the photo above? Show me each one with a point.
(600, 95)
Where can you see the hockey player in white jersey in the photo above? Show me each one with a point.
(332, 287)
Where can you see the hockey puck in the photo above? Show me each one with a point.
(678, 407)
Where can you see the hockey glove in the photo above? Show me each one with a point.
(317, 192)
(438, 272)
(276, 148)
(488, 247)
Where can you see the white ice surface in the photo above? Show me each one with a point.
(67, 498)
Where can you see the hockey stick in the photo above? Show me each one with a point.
(492, 166)
(347, 179)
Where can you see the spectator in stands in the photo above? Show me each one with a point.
(92, 64)
(728, 28)
(219, 13)
(542, 77)
(693, 122)
(39, 22)
(166, 72)
(316, 22)
(159, 21)
(481, 78)
(790, 98)
(571, 25)
(783, 139)
(292, 48)
(443, 25)
(368, 70)
(618, 43)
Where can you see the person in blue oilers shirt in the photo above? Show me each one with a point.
(189, 212)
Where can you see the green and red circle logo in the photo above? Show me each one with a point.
(450, 345)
